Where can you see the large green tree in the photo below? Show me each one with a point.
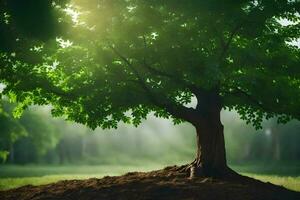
(121, 59)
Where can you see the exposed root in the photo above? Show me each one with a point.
(187, 168)
(196, 170)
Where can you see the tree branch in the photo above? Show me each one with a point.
(175, 79)
(177, 111)
(227, 44)
(240, 93)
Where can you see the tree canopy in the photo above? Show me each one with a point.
(118, 60)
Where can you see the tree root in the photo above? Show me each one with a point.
(196, 170)
(187, 168)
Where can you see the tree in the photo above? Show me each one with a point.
(10, 132)
(28, 138)
(125, 59)
(42, 136)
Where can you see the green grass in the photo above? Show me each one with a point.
(270, 168)
(17, 171)
(292, 183)
(12, 176)
(9, 183)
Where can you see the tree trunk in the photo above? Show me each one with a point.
(11, 153)
(275, 142)
(210, 156)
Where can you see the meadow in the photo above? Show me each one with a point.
(13, 176)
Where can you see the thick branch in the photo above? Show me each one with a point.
(178, 111)
(140, 79)
(226, 45)
(175, 79)
(267, 108)
(242, 94)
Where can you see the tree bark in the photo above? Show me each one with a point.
(210, 155)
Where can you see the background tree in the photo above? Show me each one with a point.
(10, 131)
(26, 139)
(129, 58)
(156, 142)
(43, 135)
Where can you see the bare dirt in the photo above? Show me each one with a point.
(167, 183)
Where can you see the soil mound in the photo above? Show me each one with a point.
(167, 183)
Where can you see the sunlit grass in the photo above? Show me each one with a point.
(292, 183)
(9, 183)
(13, 176)
(20, 171)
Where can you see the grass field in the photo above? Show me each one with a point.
(12, 176)
(16, 176)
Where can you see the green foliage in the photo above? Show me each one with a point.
(10, 131)
(42, 133)
(32, 132)
(53, 141)
(3, 156)
(122, 59)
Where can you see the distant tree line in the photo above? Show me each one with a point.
(36, 137)
(28, 138)
(275, 142)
